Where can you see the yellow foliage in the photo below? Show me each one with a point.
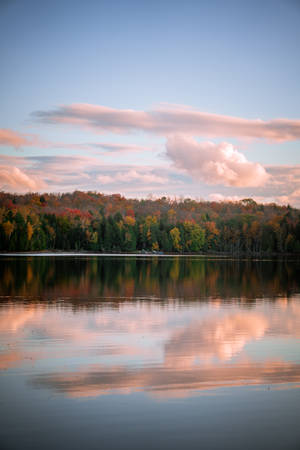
(129, 221)
(92, 236)
(175, 236)
(29, 231)
(8, 228)
(151, 220)
(254, 229)
(171, 215)
(149, 235)
(155, 246)
(2, 212)
(34, 218)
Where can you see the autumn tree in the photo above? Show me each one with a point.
(176, 239)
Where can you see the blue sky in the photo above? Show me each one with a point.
(233, 59)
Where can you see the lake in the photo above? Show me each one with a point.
(132, 352)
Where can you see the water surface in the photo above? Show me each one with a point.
(142, 353)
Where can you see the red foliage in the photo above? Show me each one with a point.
(130, 212)
(77, 212)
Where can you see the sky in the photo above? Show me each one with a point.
(186, 99)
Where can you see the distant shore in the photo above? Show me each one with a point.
(58, 253)
(84, 253)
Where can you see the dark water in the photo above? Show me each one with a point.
(149, 353)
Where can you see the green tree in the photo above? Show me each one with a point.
(194, 236)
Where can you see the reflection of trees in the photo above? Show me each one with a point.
(176, 278)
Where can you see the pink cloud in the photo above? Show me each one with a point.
(215, 163)
(168, 120)
(66, 173)
(15, 180)
(12, 138)
(136, 175)
(292, 198)
(282, 186)
(15, 139)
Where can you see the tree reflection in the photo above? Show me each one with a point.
(84, 278)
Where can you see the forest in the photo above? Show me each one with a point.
(91, 221)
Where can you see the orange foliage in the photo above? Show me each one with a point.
(29, 231)
(129, 220)
(8, 228)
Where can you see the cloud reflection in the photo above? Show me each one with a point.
(142, 347)
(162, 381)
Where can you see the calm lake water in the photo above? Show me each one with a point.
(149, 353)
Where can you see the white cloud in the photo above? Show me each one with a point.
(217, 197)
(215, 163)
(132, 176)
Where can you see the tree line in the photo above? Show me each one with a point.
(111, 223)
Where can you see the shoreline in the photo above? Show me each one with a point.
(66, 253)
(151, 255)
